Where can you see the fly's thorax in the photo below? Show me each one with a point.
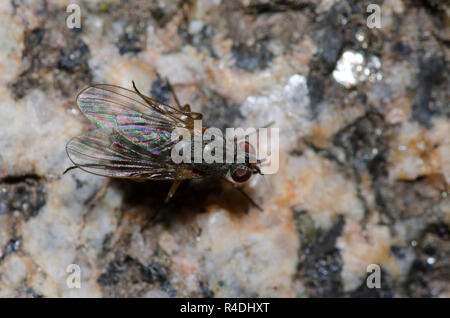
(212, 169)
(223, 151)
(236, 160)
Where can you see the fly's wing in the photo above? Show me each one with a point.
(106, 154)
(135, 136)
(134, 117)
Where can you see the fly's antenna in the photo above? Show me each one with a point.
(135, 88)
(88, 165)
(68, 169)
(269, 124)
(258, 170)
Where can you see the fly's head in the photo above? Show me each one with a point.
(241, 172)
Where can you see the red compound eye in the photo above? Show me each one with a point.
(241, 175)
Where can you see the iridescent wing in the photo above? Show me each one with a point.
(106, 154)
(134, 140)
(135, 117)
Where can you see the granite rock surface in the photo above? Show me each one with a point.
(364, 165)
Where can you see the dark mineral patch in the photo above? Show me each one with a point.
(127, 277)
(364, 143)
(398, 251)
(112, 274)
(12, 246)
(429, 275)
(165, 12)
(252, 58)
(405, 199)
(401, 48)
(160, 91)
(74, 56)
(154, 272)
(55, 57)
(33, 39)
(207, 293)
(333, 33)
(32, 293)
(432, 73)
(200, 40)
(129, 43)
(320, 263)
(26, 195)
(135, 17)
(204, 39)
(220, 113)
(330, 40)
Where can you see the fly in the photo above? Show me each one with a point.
(134, 140)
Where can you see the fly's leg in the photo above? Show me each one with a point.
(237, 187)
(172, 91)
(93, 200)
(256, 205)
(172, 190)
(70, 168)
(185, 108)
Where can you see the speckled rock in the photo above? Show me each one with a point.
(364, 119)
